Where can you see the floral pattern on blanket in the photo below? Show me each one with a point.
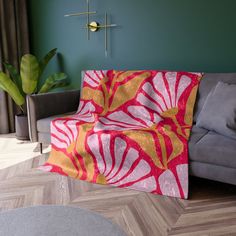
(131, 130)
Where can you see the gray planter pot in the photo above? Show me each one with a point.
(22, 128)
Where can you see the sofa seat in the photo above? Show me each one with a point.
(196, 134)
(212, 148)
(43, 125)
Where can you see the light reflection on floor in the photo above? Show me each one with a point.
(13, 151)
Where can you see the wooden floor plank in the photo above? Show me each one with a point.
(211, 209)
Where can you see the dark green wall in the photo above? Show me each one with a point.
(191, 35)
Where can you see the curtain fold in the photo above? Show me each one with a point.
(14, 42)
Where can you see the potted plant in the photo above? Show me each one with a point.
(28, 81)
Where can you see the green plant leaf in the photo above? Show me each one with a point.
(54, 81)
(2, 87)
(10, 87)
(44, 62)
(29, 71)
(15, 76)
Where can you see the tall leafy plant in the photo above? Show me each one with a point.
(29, 79)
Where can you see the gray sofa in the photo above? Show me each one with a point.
(43, 108)
(212, 156)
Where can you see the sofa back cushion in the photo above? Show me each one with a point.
(219, 111)
(209, 81)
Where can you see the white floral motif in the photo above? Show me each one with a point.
(163, 93)
(137, 117)
(64, 131)
(168, 183)
(93, 77)
(127, 167)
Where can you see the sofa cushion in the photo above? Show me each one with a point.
(219, 111)
(43, 125)
(44, 138)
(196, 134)
(209, 81)
(213, 148)
(213, 172)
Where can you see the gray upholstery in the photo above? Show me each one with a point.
(56, 221)
(210, 80)
(211, 154)
(213, 172)
(219, 111)
(212, 148)
(196, 134)
(49, 104)
(44, 137)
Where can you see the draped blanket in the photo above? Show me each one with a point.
(131, 130)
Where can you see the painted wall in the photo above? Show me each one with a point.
(152, 34)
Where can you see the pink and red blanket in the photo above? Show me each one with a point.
(131, 130)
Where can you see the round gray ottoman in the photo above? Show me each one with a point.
(55, 221)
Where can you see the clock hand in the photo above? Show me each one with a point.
(100, 26)
(80, 13)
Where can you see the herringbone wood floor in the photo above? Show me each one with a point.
(211, 209)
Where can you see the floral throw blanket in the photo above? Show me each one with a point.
(131, 130)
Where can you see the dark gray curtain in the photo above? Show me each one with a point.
(14, 42)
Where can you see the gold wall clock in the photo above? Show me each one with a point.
(94, 26)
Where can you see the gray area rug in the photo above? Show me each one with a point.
(55, 221)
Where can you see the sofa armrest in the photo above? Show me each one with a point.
(40, 106)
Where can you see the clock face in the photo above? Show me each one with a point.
(93, 26)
